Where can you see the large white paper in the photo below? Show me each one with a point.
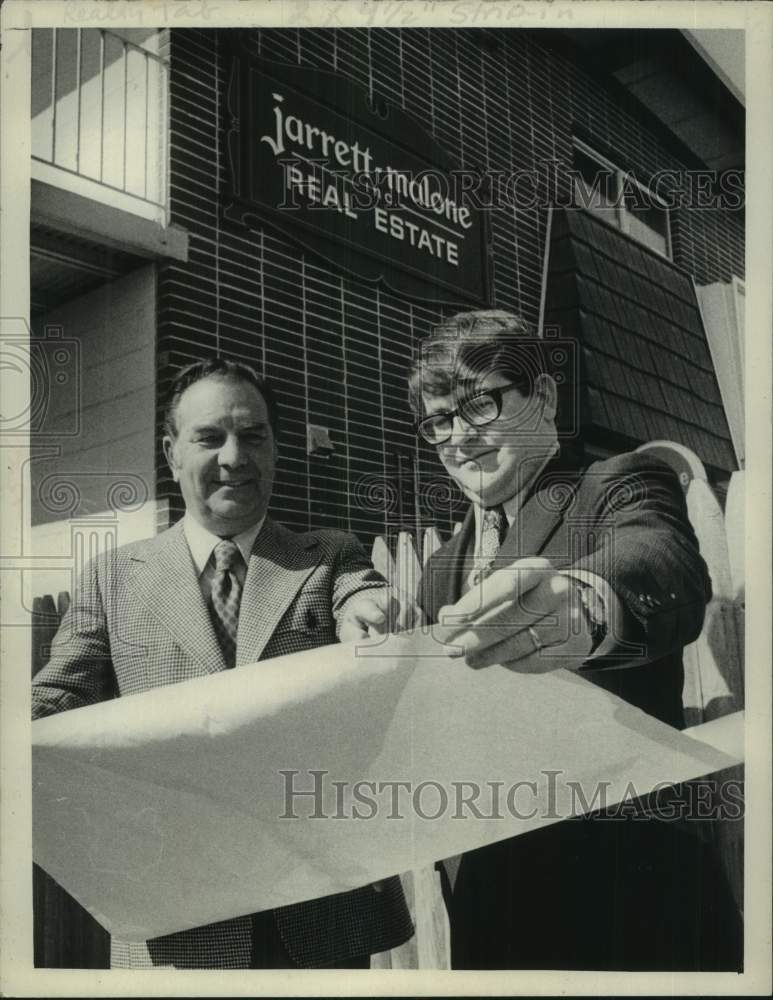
(168, 810)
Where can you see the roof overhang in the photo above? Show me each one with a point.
(688, 81)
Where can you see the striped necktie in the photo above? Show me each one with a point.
(226, 595)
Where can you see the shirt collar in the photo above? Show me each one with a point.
(202, 542)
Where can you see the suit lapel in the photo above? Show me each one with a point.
(166, 583)
(535, 524)
(531, 530)
(279, 565)
(530, 533)
(539, 517)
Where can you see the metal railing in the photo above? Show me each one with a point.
(99, 109)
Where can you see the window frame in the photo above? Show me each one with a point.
(622, 213)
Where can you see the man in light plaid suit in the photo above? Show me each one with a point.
(226, 586)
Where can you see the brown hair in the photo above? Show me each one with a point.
(473, 344)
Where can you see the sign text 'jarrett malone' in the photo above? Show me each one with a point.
(354, 180)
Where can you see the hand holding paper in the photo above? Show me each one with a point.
(526, 617)
(377, 612)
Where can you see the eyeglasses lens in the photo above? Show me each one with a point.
(436, 429)
(481, 409)
(478, 410)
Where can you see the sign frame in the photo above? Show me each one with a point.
(383, 122)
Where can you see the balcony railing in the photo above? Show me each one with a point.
(99, 115)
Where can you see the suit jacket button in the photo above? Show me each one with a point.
(378, 886)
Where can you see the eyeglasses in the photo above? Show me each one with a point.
(477, 410)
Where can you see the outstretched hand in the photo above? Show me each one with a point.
(526, 617)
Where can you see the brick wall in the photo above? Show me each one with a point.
(335, 348)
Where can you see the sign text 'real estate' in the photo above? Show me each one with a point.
(363, 186)
(353, 178)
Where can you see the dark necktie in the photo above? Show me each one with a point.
(226, 595)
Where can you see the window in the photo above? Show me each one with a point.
(604, 188)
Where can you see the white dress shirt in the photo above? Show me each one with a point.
(202, 546)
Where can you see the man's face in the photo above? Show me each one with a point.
(494, 462)
(224, 454)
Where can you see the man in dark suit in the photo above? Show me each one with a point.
(226, 586)
(597, 571)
